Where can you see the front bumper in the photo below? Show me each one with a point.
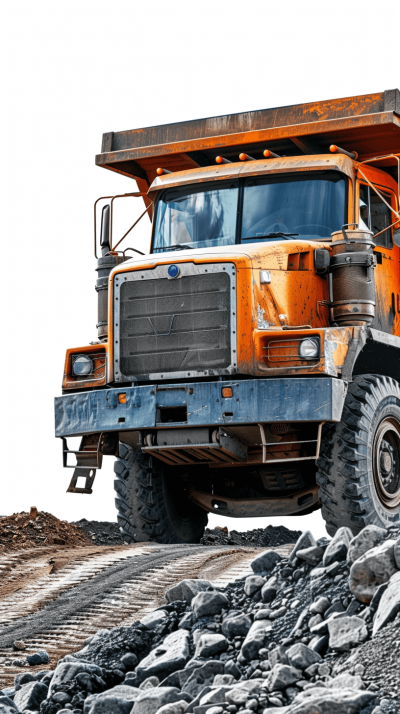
(311, 399)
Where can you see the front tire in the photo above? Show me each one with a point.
(151, 501)
(359, 465)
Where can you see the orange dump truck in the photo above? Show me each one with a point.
(249, 364)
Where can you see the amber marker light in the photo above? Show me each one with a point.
(337, 150)
(221, 160)
(122, 398)
(160, 172)
(270, 154)
(246, 157)
(227, 392)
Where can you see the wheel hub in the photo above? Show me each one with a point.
(387, 462)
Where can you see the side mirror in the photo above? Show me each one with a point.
(105, 229)
(396, 237)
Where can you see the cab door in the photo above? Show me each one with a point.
(377, 216)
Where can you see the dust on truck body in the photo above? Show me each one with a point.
(249, 365)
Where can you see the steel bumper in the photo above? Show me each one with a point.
(253, 401)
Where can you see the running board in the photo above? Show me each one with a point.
(88, 459)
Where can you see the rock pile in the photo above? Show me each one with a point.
(108, 533)
(317, 632)
(101, 532)
(28, 530)
(271, 536)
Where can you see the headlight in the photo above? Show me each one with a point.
(82, 365)
(309, 349)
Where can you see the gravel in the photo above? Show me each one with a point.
(271, 536)
(310, 648)
(108, 533)
(101, 532)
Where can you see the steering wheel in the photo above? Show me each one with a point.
(313, 229)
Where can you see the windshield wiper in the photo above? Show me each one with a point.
(279, 234)
(180, 246)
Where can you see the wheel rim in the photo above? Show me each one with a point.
(387, 462)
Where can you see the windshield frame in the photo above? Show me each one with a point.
(241, 182)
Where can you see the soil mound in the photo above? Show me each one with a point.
(28, 530)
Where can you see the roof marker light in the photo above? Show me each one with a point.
(337, 150)
(246, 157)
(270, 154)
(160, 172)
(221, 160)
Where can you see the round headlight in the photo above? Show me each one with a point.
(309, 349)
(82, 365)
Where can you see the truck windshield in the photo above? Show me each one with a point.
(272, 208)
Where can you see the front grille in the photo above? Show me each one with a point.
(180, 326)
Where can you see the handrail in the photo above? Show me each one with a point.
(103, 198)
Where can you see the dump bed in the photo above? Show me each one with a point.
(368, 124)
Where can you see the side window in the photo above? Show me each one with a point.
(375, 215)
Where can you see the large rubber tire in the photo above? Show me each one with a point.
(151, 502)
(359, 466)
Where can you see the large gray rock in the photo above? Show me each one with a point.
(30, 696)
(253, 584)
(346, 632)
(239, 694)
(330, 701)
(236, 625)
(149, 683)
(203, 677)
(215, 696)
(151, 700)
(389, 604)
(265, 562)
(312, 555)
(23, 678)
(167, 657)
(209, 603)
(282, 676)
(255, 639)
(174, 708)
(269, 590)
(66, 671)
(186, 590)
(306, 540)
(277, 655)
(210, 645)
(338, 547)
(301, 656)
(7, 705)
(153, 619)
(318, 607)
(118, 700)
(397, 553)
(346, 681)
(371, 570)
(368, 538)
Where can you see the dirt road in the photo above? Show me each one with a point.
(53, 598)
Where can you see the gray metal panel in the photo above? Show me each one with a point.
(253, 401)
(97, 411)
(154, 328)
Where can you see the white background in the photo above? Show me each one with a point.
(72, 70)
